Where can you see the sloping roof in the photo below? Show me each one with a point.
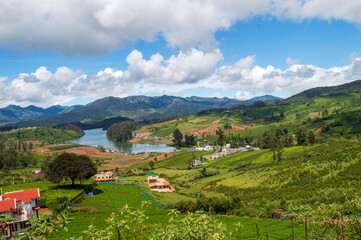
(24, 195)
(7, 204)
(165, 183)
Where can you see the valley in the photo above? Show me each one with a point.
(304, 157)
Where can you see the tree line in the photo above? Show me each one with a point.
(16, 155)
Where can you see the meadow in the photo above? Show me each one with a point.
(253, 184)
(111, 198)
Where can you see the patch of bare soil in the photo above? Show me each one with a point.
(211, 129)
(289, 121)
(319, 130)
(86, 209)
(236, 128)
(135, 140)
(44, 211)
(88, 151)
(122, 162)
(261, 120)
(314, 114)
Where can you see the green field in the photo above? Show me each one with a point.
(44, 134)
(340, 112)
(51, 192)
(111, 198)
(253, 184)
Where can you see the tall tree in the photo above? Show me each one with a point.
(178, 137)
(70, 165)
(311, 137)
(190, 140)
(220, 135)
(301, 135)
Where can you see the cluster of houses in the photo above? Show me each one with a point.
(147, 137)
(19, 206)
(158, 184)
(227, 151)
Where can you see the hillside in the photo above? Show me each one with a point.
(334, 113)
(252, 184)
(352, 87)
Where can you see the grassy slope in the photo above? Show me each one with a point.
(111, 198)
(323, 173)
(45, 134)
(344, 108)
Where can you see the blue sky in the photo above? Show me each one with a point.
(237, 50)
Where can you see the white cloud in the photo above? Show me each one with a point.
(187, 70)
(292, 61)
(157, 74)
(296, 78)
(99, 26)
(242, 95)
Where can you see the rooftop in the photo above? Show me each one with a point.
(24, 195)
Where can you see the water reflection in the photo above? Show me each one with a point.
(98, 137)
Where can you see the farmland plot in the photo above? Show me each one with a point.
(111, 198)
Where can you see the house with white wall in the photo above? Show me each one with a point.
(19, 206)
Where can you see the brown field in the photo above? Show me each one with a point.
(236, 128)
(114, 159)
(319, 130)
(314, 114)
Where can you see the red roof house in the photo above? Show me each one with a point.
(24, 195)
(20, 206)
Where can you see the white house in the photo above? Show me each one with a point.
(19, 207)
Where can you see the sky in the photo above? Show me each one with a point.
(73, 52)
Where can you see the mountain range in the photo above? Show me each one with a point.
(133, 107)
(13, 113)
(148, 108)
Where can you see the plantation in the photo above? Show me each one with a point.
(111, 198)
(253, 184)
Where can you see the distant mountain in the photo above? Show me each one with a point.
(13, 113)
(352, 87)
(145, 108)
(268, 98)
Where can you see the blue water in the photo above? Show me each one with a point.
(98, 137)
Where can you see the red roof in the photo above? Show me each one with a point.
(7, 204)
(24, 195)
(165, 183)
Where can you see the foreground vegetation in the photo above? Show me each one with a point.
(156, 222)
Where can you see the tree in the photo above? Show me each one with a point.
(190, 140)
(301, 135)
(151, 164)
(178, 137)
(220, 139)
(311, 137)
(70, 165)
(276, 146)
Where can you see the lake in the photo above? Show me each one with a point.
(98, 137)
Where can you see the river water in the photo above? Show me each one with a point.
(98, 137)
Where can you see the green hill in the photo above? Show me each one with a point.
(252, 184)
(353, 87)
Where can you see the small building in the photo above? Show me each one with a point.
(195, 163)
(20, 206)
(105, 177)
(159, 184)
